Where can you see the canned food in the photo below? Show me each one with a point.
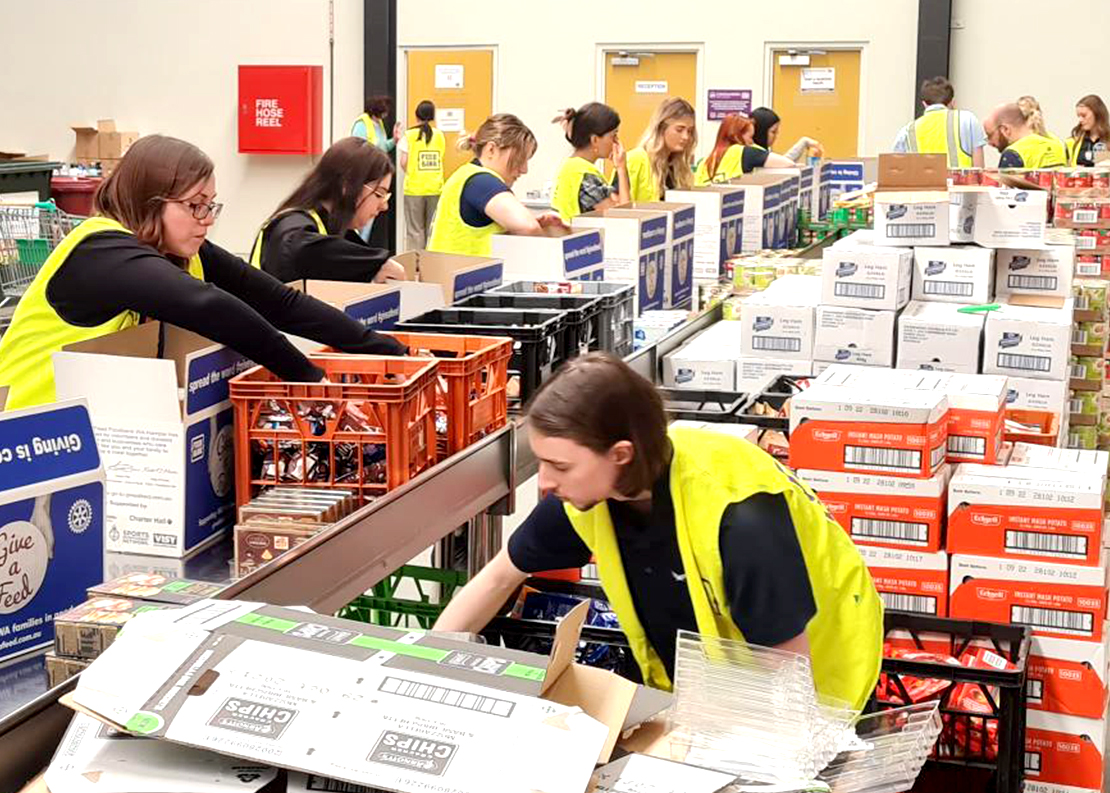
(755, 277)
(1075, 179)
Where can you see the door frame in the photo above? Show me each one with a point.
(698, 48)
(769, 48)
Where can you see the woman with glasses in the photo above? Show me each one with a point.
(144, 256)
(314, 234)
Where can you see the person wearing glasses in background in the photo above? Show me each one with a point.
(144, 255)
(314, 234)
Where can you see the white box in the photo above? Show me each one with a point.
(1028, 341)
(1009, 218)
(779, 322)
(909, 218)
(756, 373)
(707, 362)
(651, 326)
(937, 337)
(456, 277)
(719, 226)
(165, 429)
(576, 255)
(953, 274)
(635, 252)
(854, 335)
(678, 272)
(1024, 393)
(961, 214)
(768, 199)
(1088, 462)
(867, 277)
(1045, 271)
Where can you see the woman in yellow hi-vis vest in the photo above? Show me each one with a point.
(580, 185)
(477, 200)
(690, 530)
(144, 256)
(664, 160)
(736, 154)
(314, 233)
(421, 153)
(1091, 134)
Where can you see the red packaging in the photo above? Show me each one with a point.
(1064, 751)
(908, 580)
(1067, 677)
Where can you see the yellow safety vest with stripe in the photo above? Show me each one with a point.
(710, 471)
(259, 240)
(568, 183)
(938, 132)
(452, 234)
(425, 172)
(1037, 151)
(37, 331)
(730, 166)
(641, 181)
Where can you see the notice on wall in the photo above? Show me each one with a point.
(651, 86)
(451, 119)
(725, 101)
(449, 75)
(818, 80)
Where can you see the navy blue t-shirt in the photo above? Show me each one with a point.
(476, 193)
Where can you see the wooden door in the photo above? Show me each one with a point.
(636, 89)
(819, 103)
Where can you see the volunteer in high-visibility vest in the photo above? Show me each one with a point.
(314, 233)
(736, 154)
(371, 124)
(942, 129)
(1091, 134)
(690, 529)
(1008, 130)
(664, 160)
(421, 153)
(580, 185)
(767, 126)
(1034, 117)
(477, 200)
(144, 256)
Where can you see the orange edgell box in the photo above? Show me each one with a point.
(1068, 677)
(1063, 601)
(1063, 754)
(908, 580)
(872, 430)
(890, 511)
(1028, 513)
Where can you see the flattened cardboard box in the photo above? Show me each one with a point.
(156, 588)
(360, 703)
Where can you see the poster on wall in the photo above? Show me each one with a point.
(449, 75)
(450, 119)
(818, 81)
(724, 101)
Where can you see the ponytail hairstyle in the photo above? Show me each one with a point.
(1094, 103)
(1031, 111)
(582, 124)
(734, 130)
(425, 114)
(676, 167)
(505, 131)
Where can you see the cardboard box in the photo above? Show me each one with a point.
(51, 520)
(678, 273)
(867, 277)
(257, 544)
(651, 326)
(753, 374)
(1067, 677)
(1042, 396)
(887, 511)
(839, 177)
(88, 630)
(1009, 218)
(1028, 341)
(869, 430)
(155, 588)
(909, 580)
(854, 335)
(59, 669)
(953, 274)
(938, 337)
(377, 306)
(86, 148)
(1064, 754)
(1063, 601)
(102, 143)
(444, 710)
(770, 199)
(779, 321)
(635, 252)
(1046, 271)
(574, 255)
(708, 361)
(113, 145)
(719, 226)
(164, 427)
(457, 276)
(1026, 513)
(911, 202)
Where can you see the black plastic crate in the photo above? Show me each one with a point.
(965, 740)
(539, 344)
(618, 307)
(583, 314)
(24, 176)
(776, 395)
(698, 405)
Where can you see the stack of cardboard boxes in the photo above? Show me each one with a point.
(103, 144)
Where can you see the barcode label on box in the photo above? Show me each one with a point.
(1079, 336)
(863, 291)
(1055, 620)
(1033, 763)
(776, 344)
(1079, 371)
(905, 230)
(902, 531)
(1085, 243)
(1083, 302)
(967, 446)
(1034, 690)
(1075, 406)
(919, 604)
(1066, 546)
(1085, 216)
(1027, 363)
(949, 288)
(882, 459)
(320, 784)
(1087, 268)
(937, 455)
(451, 697)
(1040, 283)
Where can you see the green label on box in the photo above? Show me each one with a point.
(144, 723)
(176, 586)
(408, 650)
(525, 672)
(271, 623)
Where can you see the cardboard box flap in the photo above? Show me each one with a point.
(1037, 301)
(458, 276)
(913, 172)
(647, 774)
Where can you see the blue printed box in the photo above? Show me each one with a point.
(678, 272)
(577, 255)
(635, 250)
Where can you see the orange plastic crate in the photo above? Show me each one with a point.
(1047, 423)
(369, 429)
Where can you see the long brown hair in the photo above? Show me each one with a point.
(505, 131)
(1094, 103)
(155, 169)
(667, 166)
(337, 181)
(596, 400)
(735, 129)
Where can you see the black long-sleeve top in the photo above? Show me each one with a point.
(293, 249)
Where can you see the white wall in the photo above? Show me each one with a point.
(169, 66)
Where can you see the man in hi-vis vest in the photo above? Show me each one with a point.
(942, 129)
(1009, 131)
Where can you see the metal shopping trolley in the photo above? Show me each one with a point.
(28, 233)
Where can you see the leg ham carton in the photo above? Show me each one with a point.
(678, 272)
(936, 337)
(911, 203)
(158, 397)
(779, 321)
(363, 704)
(1047, 271)
(1068, 677)
(953, 274)
(1025, 340)
(909, 580)
(575, 255)
(1064, 754)
(866, 276)
(51, 520)
(854, 336)
(635, 252)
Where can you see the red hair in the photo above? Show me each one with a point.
(735, 129)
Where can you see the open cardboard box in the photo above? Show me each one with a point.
(377, 306)
(361, 703)
(911, 201)
(457, 276)
(557, 253)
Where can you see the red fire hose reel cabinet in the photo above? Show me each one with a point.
(281, 109)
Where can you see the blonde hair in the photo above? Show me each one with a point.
(505, 131)
(678, 166)
(1031, 111)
